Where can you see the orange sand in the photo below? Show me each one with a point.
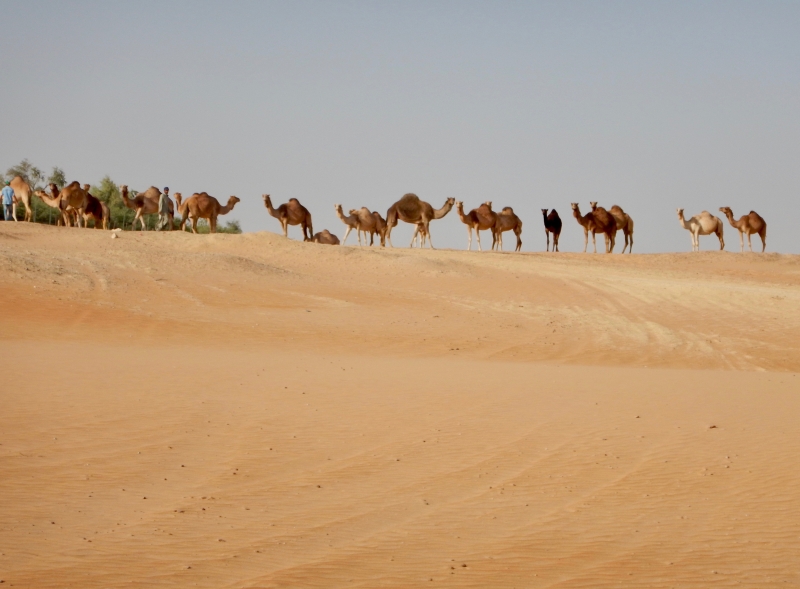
(247, 411)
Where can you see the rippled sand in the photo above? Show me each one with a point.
(247, 411)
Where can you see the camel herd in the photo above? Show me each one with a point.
(76, 205)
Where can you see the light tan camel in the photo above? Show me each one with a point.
(95, 209)
(506, 221)
(351, 221)
(413, 210)
(53, 201)
(703, 224)
(291, 213)
(479, 219)
(367, 222)
(624, 224)
(145, 203)
(22, 193)
(594, 222)
(748, 224)
(325, 237)
(203, 206)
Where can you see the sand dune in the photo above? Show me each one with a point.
(248, 411)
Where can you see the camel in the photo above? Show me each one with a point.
(597, 221)
(419, 231)
(22, 192)
(552, 224)
(506, 221)
(624, 223)
(71, 200)
(703, 224)
(479, 219)
(380, 228)
(145, 203)
(351, 221)
(95, 209)
(203, 206)
(325, 237)
(290, 213)
(413, 210)
(748, 224)
(367, 222)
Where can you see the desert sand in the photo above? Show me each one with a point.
(248, 411)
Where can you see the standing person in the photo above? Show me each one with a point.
(163, 210)
(8, 200)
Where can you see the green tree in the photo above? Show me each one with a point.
(57, 177)
(28, 172)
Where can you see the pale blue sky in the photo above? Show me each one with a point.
(649, 105)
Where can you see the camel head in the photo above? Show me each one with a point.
(232, 200)
(267, 201)
(593, 204)
(574, 206)
(680, 213)
(544, 212)
(726, 210)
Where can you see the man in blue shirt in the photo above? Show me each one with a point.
(8, 200)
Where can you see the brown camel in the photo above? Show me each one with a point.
(145, 203)
(22, 193)
(325, 237)
(70, 201)
(413, 210)
(597, 221)
(367, 222)
(479, 219)
(291, 213)
(203, 206)
(552, 224)
(624, 223)
(748, 224)
(380, 228)
(506, 221)
(351, 221)
(419, 231)
(95, 209)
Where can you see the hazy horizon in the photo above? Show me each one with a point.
(649, 105)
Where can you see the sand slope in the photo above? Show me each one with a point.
(247, 411)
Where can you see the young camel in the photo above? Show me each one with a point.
(598, 221)
(202, 206)
(479, 219)
(703, 224)
(291, 213)
(325, 237)
(552, 224)
(350, 220)
(506, 221)
(749, 224)
(624, 224)
(415, 211)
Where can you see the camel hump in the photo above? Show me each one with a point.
(753, 213)
(294, 201)
(508, 210)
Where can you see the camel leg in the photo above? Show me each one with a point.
(469, 238)
(519, 241)
(346, 233)
(594, 241)
(194, 225)
(547, 234)
(212, 223)
(285, 227)
(741, 242)
(721, 241)
(763, 236)
(478, 233)
(14, 211)
(749, 244)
